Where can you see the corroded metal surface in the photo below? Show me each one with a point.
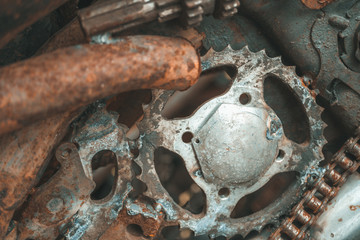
(141, 214)
(210, 162)
(340, 218)
(24, 154)
(338, 78)
(324, 45)
(101, 131)
(59, 199)
(316, 4)
(69, 78)
(115, 16)
(324, 187)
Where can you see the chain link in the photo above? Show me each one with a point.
(345, 162)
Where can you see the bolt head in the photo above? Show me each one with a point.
(55, 205)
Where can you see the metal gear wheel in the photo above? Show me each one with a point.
(227, 8)
(193, 12)
(238, 144)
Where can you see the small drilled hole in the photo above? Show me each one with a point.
(224, 192)
(280, 155)
(135, 230)
(244, 98)
(187, 137)
(197, 140)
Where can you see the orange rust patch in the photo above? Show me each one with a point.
(354, 207)
(316, 4)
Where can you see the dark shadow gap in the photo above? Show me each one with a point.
(104, 170)
(176, 180)
(212, 83)
(263, 197)
(280, 97)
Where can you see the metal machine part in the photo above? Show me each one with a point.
(17, 148)
(220, 156)
(114, 16)
(322, 44)
(63, 195)
(64, 204)
(101, 132)
(21, 164)
(340, 220)
(94, 71)
(324, 187)
(226, 159)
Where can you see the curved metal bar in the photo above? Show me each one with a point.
(69, 78)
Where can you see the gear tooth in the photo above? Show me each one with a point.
(263, 52)
(246, 50)
(209, 53)
(229, 48)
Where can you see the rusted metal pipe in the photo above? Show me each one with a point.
(15, 16)
(68, 78)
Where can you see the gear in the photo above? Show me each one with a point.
(231, 161)
(227, 8)
(193, 12)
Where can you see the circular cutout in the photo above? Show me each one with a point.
(224, 192)
(197, 140)
(135, 230)
(245, 98)
(104, 171)
(187, 137)
(280, 155)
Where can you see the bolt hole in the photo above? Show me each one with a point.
(135, 230)
(245, 98)
(104, 171)
(187, 137)
(224, 192)
(197, 140)
(66, 153)
(280, 155)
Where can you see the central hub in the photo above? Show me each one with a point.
(232, 146)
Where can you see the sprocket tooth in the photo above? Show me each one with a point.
(229, 48)
(263, 52)
(208, 54)
(246, 50)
